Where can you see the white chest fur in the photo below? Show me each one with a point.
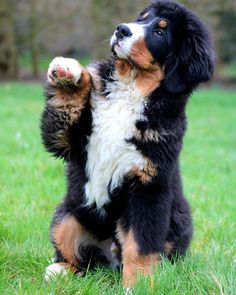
(110, 157)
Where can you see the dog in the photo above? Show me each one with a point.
(119, 126)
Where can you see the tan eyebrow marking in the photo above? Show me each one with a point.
(162, 24)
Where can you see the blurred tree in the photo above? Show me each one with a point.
(34, 47)
(226, 12)
(220, 15)
(8, 50)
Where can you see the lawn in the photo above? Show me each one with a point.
(32, 184)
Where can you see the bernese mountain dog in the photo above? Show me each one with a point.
(119, 126)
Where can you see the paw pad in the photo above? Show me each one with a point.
(64, 70)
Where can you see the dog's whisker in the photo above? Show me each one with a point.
(105, 41)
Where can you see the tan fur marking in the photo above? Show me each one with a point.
(146, 174)
(134, 263)
(162, 24)
(148, 135)
(72, 102)
(147, 81)
(123, 67)
(61, 141)
(150, 74)
(141, 55)
(120, 234)
(66, 235)
(168, 247)
(151, 135)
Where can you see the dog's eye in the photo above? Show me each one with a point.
(158, 33)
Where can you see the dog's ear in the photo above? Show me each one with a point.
(192, 59)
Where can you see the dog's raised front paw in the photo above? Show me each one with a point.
(63, 71)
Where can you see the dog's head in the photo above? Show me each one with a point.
(169, 34)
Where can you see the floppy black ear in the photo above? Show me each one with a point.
(192, 59)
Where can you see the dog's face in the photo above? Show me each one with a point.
(169, 34)
(143, 42)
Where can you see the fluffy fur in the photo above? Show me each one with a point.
(119, 126)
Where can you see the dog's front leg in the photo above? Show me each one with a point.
(67, 98)
(142, 232)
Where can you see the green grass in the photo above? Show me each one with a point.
(32, 184)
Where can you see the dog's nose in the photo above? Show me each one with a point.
(123, 31)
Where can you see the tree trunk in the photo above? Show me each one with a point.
(8, 48)
(34, 47)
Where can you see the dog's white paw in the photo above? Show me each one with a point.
(55, 269)
(128, 291)
(64, 70)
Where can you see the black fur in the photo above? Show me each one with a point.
(156, 212)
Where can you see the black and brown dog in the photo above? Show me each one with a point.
(119, 126)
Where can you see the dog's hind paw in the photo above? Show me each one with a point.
(128, 291)
(56, 269)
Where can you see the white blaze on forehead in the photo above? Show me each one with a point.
(124, 46)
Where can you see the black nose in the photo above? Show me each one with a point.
(123, 31)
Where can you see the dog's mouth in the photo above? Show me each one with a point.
(118, 48)
(113, 48)
(123, 38)
(128, 43)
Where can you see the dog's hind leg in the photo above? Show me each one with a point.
(66, 233)
(76, 247)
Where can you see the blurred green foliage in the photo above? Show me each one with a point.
(227, 26)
